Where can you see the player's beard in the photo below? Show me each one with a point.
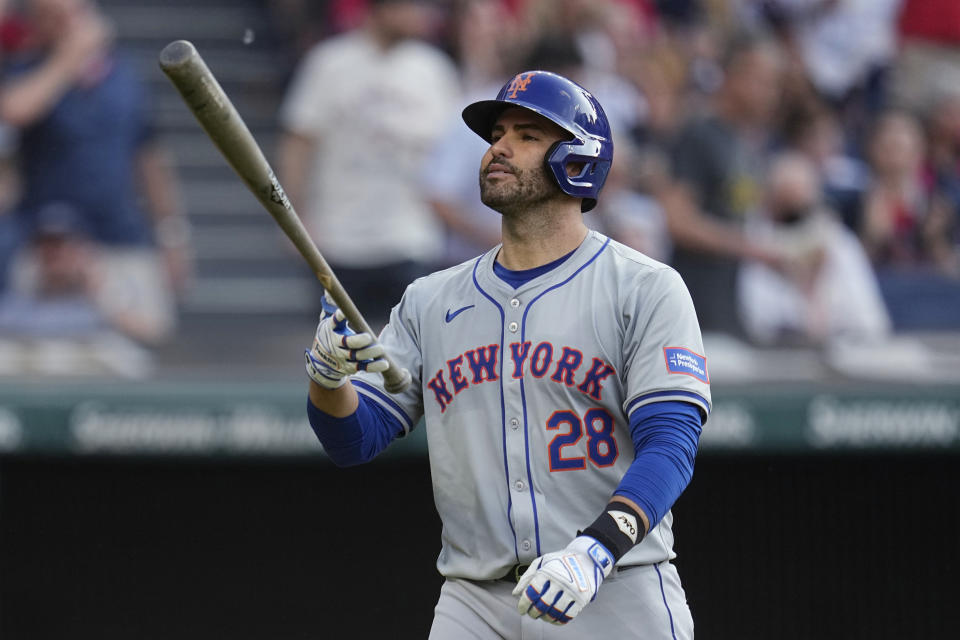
(528, 188)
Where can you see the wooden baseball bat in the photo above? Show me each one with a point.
(207, 100)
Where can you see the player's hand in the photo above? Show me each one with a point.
(558, 585)
(338, 351)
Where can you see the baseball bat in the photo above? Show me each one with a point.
(207, 100)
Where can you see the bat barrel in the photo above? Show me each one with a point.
(204, 96)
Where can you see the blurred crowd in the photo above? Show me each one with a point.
(797, 161)
(93, 241)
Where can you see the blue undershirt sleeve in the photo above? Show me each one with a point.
(665, 439)
(356, 438)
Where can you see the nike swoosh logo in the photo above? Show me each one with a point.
(451, 316)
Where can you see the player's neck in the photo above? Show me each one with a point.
(530, 241)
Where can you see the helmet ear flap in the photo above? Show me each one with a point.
(592, 175)
(559, 165)
(555, 164)
(549, 164)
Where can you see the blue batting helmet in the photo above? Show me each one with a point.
(571, 107)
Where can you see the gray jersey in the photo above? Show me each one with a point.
(526, 395)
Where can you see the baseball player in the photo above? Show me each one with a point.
(562, 385)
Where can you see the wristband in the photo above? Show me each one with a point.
(619, 528)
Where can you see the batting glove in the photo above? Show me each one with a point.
(338, 351)
(558, 585)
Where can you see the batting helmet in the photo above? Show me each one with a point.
(571, 107)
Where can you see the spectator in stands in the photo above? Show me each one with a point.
(12, 32)
(906, 220)
(585, 33)
(942, 171)
(817, 133)
(660, 75)
(603, 29)
(828, 290)
(360, 117)
(627, 214)
(485, 44)
(928, 62)
(301, 24)
(485, 40)
(718, 163)
(846, 48)
(86, 138)
(909, 229)
(64, 285)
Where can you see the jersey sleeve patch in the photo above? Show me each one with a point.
(686, 362)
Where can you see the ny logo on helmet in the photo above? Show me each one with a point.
(519, 83)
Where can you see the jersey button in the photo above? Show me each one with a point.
(514, 424)
(513, 326)
(518, 485)
(525, 545)
(514, 303)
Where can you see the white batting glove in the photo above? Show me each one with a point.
(558, 585)
(338, 351)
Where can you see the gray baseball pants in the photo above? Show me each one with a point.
(644, 601)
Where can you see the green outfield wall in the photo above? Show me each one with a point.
(202, 418)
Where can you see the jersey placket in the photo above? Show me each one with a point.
(516, 442)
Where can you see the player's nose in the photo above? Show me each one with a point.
(501, 147)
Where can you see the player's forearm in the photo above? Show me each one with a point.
(654, 482)
(159, 185)
(339, 403)
(695, 231)
(665, 443)
(293, 160)
(356, 437)
(171, 227)
(644, 495)
(26, 99)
